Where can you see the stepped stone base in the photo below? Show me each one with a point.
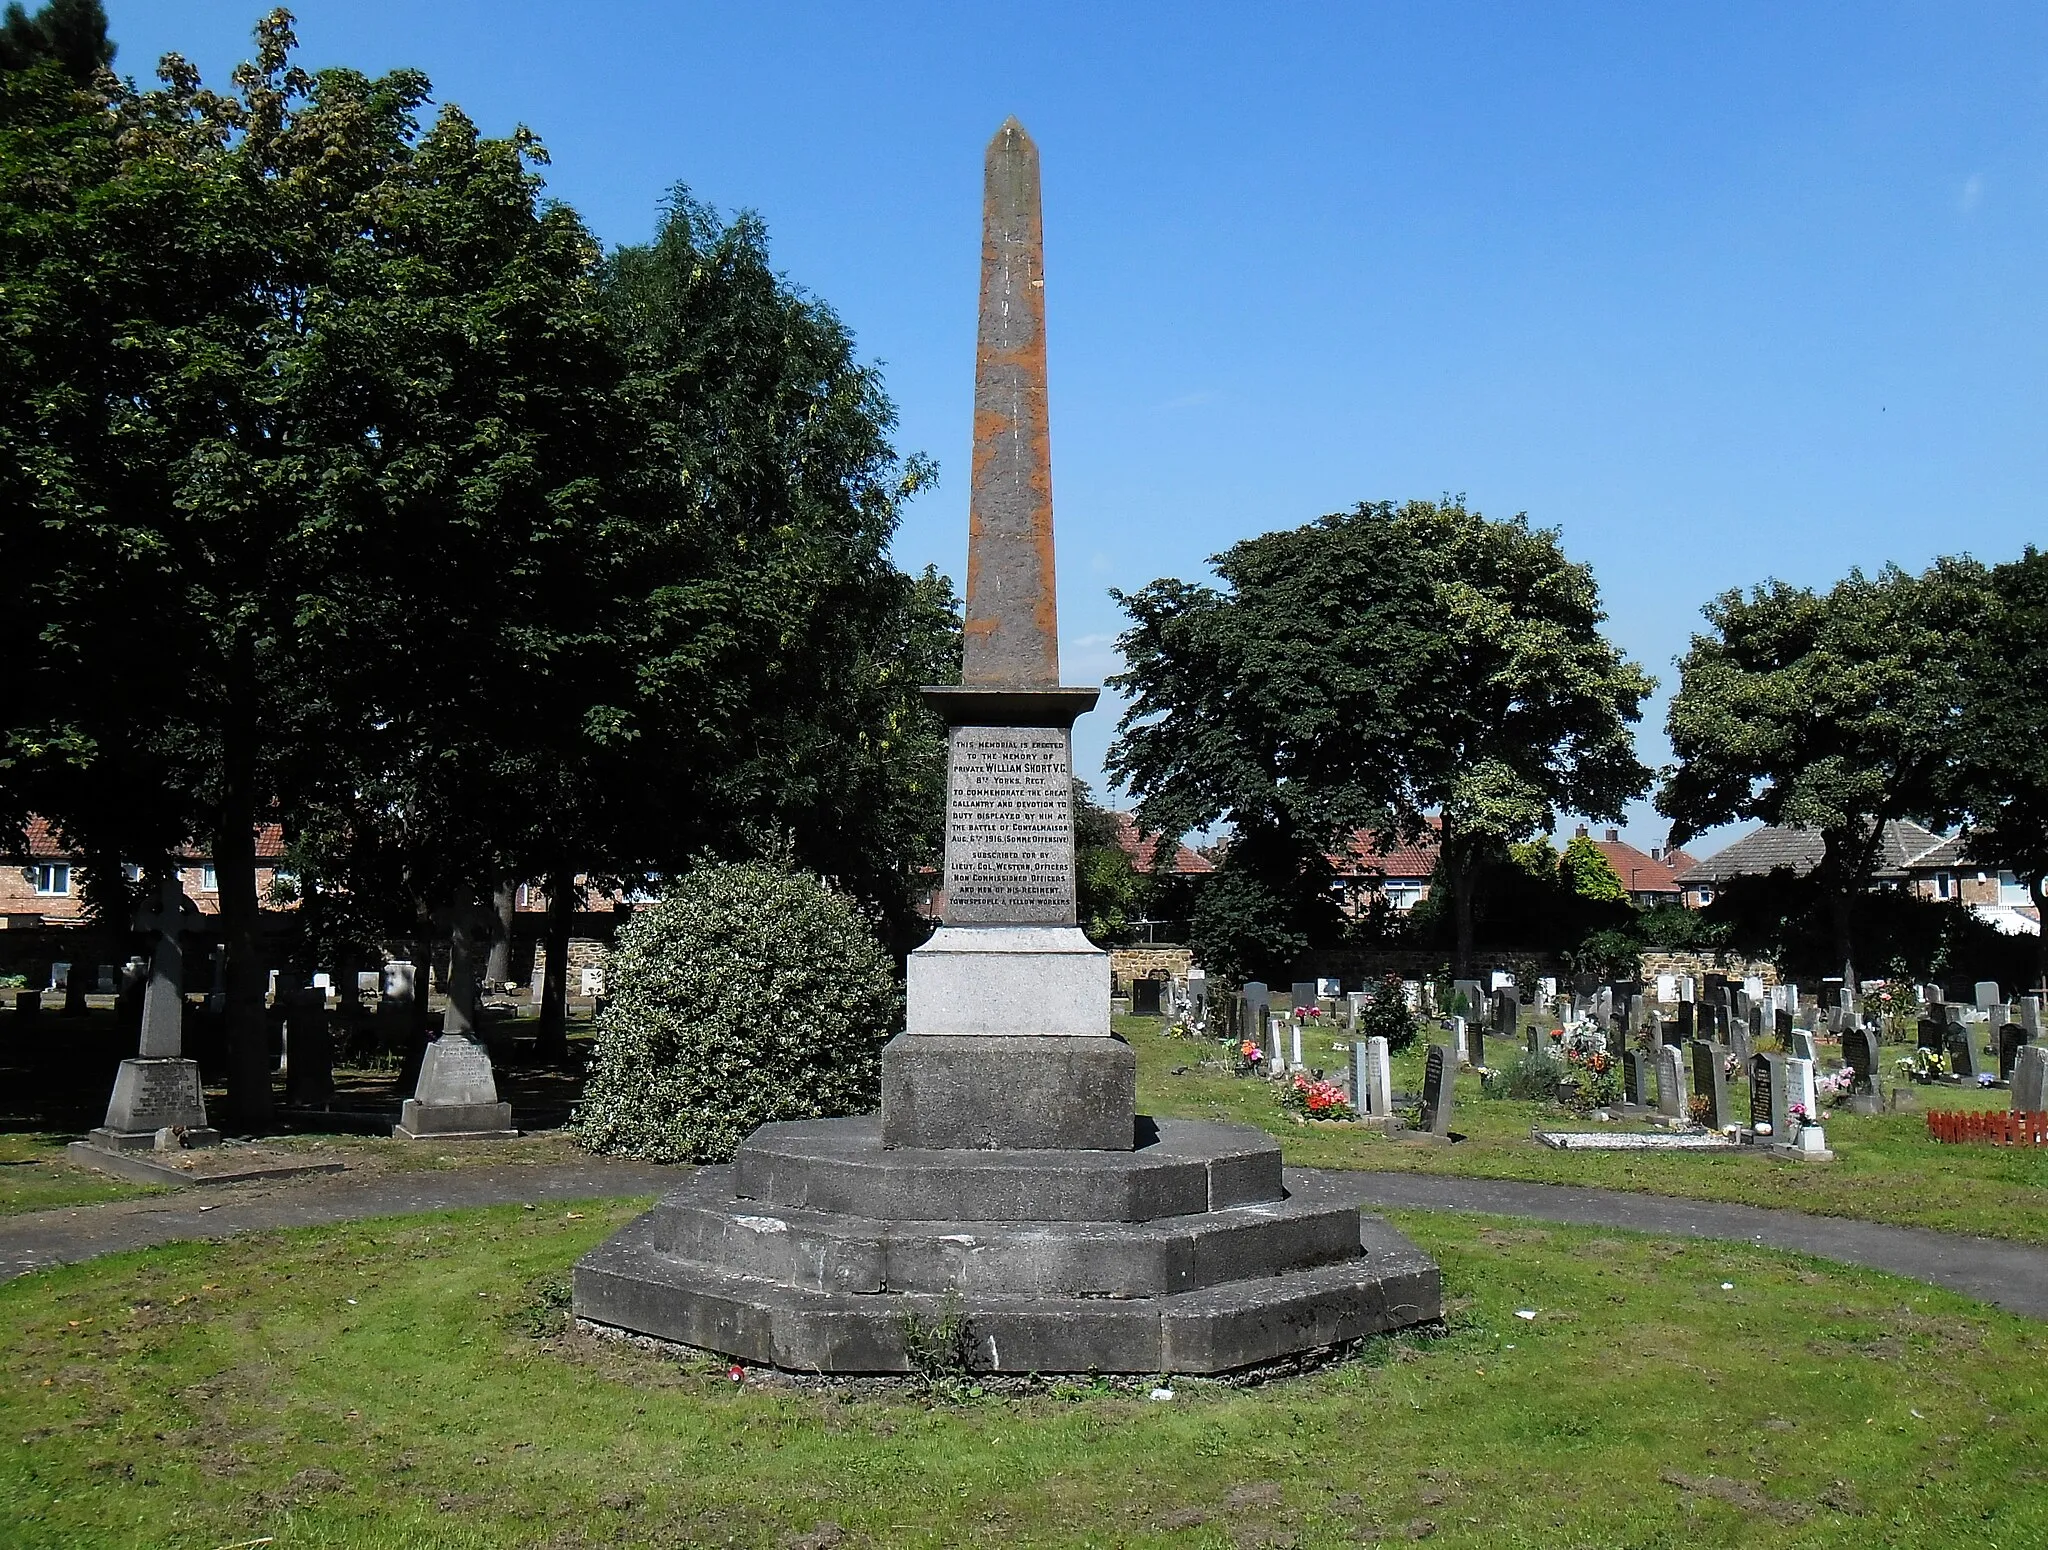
(819, 1247)
(419, 1121)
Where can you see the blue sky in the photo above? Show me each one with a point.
(1722, 292)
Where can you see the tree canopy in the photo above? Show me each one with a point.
(1836, 711)
(1361, 672)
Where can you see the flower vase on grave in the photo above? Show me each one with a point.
(158, 1101)
(456, 1097)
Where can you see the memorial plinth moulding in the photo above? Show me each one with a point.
(159, 1093)
(1008, 1180)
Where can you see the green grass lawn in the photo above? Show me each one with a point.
(408, 1383)
(1888, 1170)
(34, 1176)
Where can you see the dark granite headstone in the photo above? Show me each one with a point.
(1933, 1034)
(1962, 1052)
(1638, 1087)
(1438, 1073)
(1710, 1081)
(1505, 1010)
(2012, 1038)
(1687, 1011)
(1475, 1042)
(1763, 1077)
(1860, 1054)
(1145, 998)
(1781, 1025)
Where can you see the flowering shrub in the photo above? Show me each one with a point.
(1317, 1100)
(744, 994)
(1247, 1057)
(1595, 1078)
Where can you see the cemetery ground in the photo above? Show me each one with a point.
(413, 1382)
(1887, 1169)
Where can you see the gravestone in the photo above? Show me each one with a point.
(1667, 989)
(1473, 994)
(1294, 1062)
(1799, 1093)
(309, 1049)
(1637, 1083)
(2030, 1017)
(1145, 998)
(1276, 1051)
(456, 1097)
(1932, 1034)
(1687, 1025)
(1767, 1095)
(2030, 1080)
(2012, 1038)
(1439, 1073)
(1353, 1001)
(1506, 1010)
(1752, 1031)
(1475, 1044)
(1372, 1082)
(1302, 995)
(159, 1089)
(1460, 1039)
(28, 1004)
(1962, 1052)
(1987, 995)
(1782, 1026)
(1253, 999)
(1198, 994)
(1861, 1054)
(1672, 1098)
(1800, 1047)
(1710, 1081)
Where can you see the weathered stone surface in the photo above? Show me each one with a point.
(1385, 1284)
(841, 1165)
(1009, 1092)
(1008, 980)
(705, 1222)
(456, 1095)
(454, 1121)
(1011, 633)
(154, 1093)
(1009, 825)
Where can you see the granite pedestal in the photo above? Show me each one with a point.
(457, 1096)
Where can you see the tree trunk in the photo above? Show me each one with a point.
(248, 1034)
(1462, 872)
(250, 1097)
(552, 1044)
(498, 968)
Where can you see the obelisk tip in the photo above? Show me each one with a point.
(1012, 130)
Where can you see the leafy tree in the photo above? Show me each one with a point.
(2000, 779)
(69, 34)
(1110, 893)
(1359, 673)
(1586, 871)
(1836, 711)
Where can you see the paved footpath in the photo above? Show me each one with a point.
(2011, 1275)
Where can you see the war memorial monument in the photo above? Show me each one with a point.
(1008, 1189)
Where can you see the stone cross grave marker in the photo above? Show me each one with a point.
(2030, 1080)
(1439, 1072)
(1671, 1094)
(456, 1096)
(1710, 1081)
(2012, 1038)
(159, 1090)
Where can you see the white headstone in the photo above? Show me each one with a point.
(1500, 979)
(593, 980)
(1379, 1079)
(1295, 1064)
(1986, 994)
(398, 980)
(1671, 1092)
(1667, 988)
(1276, 1057)
(1458, 1043)
(1328, 987)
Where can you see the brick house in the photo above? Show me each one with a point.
(1399, 873)
(1650, 876)
(42, 885)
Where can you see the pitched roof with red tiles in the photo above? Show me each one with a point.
(1365, 856)
(1143, 849)
(43, 844)
(1639, 871)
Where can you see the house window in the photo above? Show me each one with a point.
(1944, 886)
(1706, 894)
(52, 878)
(208, 883)
(132, 870)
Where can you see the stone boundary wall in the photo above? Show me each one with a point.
(1699, 965)
(1136, 963)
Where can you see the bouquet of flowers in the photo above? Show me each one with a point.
(1831, 1090)
(1316, 1099)
(1247, 1057)
(1801, 1118)
(1923, 1065)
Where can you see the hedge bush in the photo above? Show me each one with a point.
(746, 994)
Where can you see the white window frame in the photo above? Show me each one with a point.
(209, 880)
(52, 879)
(1944, 885)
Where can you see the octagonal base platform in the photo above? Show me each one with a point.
(819, 1249)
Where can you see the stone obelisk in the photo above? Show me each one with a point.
(1007, 1189)
(1007, 1040)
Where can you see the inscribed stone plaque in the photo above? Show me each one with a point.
(1009, 826)
(2011, 1038)
(1436, 1090)
(1860, 1054)
(1710, 1081)
(1762, 1090)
